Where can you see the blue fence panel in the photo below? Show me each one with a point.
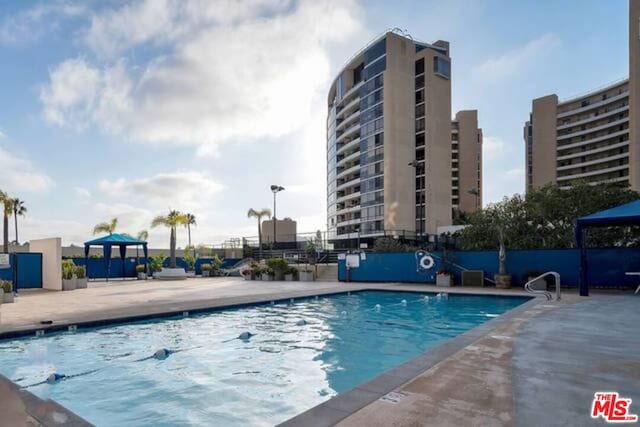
(29, 270)
(606, 267)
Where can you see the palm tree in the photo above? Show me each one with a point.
(19, 209)
(106, 227)
(191, 220)
(7, 203)
(172, 220)
(252, 213)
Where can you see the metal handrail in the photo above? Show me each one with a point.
(547, 294)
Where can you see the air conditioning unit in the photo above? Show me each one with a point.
(473, 278)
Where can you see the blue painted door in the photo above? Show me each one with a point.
(28, 268)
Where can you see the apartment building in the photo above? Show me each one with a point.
(466, 162)
(389, 142)
(594, 137)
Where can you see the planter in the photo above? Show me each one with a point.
(288, 277)
(7, 298)
(142, 276)
(445, 280)
(1, 296)
(81, 283)
(306, 276)
(68, 284)
(191, 274)
(538, 285)
(247, 277)
(170, 274)
(206, 273)
(279, 275)
(266, 277)
(503, 281)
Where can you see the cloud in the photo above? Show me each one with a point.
(30, 25)
(515, 60)
(493, 147)
(82, 192)
(179, 190)
(18, 174)
(226, 71)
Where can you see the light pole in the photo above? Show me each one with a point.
(275, 189)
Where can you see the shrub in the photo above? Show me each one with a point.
(80, 272)
(6, 286)
(140, 268)
(278, 265)
(206, 267)
(68, 269)
(156, 262)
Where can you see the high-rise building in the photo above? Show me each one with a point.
(389, 142)
(594, 137)
(466, 162)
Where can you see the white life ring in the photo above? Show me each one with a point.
(427, 262)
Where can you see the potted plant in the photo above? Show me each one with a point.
(266, 274)
(306, 274)
(141, 271)
(81, 277)
(68, 280)
(536, 285)
(279, 267)
(444, 277)
(7, 291)
(216, 263)
(206, 270)
(190, 258)
(291, 274)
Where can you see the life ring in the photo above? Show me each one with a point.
(427, 262)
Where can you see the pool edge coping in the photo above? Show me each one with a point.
(345, 404)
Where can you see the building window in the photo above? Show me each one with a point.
(419, 66)
(419, 96)
(375, 68)
(420, 125)
(420, 140)
(420, 82)
(442, 67)
(375, 51)
(420, 111)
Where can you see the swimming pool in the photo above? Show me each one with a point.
(302, 353)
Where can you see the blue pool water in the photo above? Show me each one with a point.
(215, 379)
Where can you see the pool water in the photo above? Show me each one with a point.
(214, 378)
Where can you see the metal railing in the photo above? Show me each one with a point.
(546, 294)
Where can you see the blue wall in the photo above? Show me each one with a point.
(96, 268)
(606, 267)
(29, 270)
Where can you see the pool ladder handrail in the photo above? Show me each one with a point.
(548, 295)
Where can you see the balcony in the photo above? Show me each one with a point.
(355, 194)
(594, 140)
(594, 118)
(355, 168)
(594, 162)
(350, 183)
(594, 173)
(351, 157)
(594, 129)
(594, 105)
(594, 151)
(350, 131)
(354, 143)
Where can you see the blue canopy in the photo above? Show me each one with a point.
(623, 215)
(120, 240)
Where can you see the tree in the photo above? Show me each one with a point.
(19, 209)
(545, 219)
(252, 213)
(172, 220)
(143, 235)
(7, 204)
(191, 220)
(106, 227)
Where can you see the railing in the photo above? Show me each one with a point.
(546, 294)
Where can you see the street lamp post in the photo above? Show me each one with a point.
(275, 189)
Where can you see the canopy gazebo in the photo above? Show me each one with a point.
(108, 242)
(623, 215)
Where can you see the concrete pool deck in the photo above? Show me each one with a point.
(505, 372)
